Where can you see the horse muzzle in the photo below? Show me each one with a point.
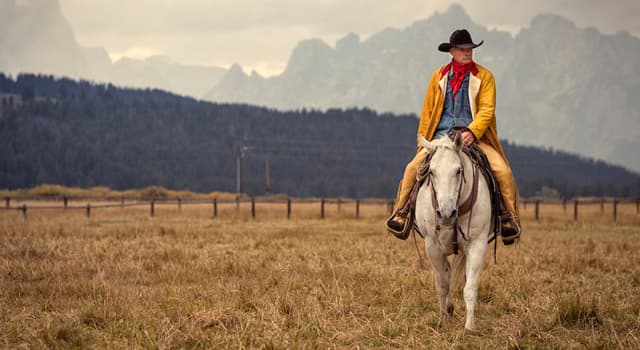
(445, 218)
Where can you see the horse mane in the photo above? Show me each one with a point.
(444, 142)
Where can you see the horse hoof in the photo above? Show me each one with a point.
(450, 310)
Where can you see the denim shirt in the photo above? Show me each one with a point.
(455, 112)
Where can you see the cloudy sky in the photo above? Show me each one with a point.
(260, 34)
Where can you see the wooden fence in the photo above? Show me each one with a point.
(568, 206)
(152, 203)
(575, 204)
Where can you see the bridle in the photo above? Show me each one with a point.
(463, 208)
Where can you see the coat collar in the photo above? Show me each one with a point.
(474, 83)
(474, 89)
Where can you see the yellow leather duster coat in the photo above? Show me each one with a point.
(482, 100)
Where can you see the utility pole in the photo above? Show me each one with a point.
(240, 150)
(238, 167)
(266, 177)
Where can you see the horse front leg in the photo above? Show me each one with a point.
(442, 276)
(476, 255)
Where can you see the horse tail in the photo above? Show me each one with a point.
(458, 269)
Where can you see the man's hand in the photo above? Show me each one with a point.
(468, 137)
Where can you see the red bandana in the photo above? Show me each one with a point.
(459, 71)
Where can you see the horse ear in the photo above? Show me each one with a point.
(428, 146)
(458, 141)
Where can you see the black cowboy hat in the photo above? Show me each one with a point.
(459, 38)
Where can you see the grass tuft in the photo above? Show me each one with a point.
(573, 311)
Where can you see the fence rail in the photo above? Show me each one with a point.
(179, 202)
(575, 203)
(289, 202)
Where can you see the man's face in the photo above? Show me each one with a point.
(462, 56)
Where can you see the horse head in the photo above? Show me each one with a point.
(445, 176)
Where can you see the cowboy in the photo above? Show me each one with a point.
(461, 94)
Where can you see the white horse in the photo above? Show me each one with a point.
(446, 230)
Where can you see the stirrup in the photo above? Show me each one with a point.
(513, 225)
(406, 230)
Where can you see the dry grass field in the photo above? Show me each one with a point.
(121, 279)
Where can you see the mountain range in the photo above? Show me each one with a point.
(558, 85)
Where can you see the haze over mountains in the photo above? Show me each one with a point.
(559, 86)
(36, 37)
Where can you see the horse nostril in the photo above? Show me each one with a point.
(438, 213)
(454, 213)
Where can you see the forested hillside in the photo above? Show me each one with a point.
(82, 134)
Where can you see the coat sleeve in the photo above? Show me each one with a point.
(486, 107)
(429, 102)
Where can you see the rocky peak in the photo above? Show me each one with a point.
(456, 11)
(551, 23)
(236, 71)
(256, 75)
(454, 14)
(308, 54)
(349, 43)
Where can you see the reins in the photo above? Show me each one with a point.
(465, 207)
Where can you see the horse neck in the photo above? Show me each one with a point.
(467, 184)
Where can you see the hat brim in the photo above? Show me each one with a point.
(445, 47)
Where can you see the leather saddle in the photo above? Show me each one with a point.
(479, 160)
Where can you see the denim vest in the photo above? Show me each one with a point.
(455, 112)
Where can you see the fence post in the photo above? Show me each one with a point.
(88, 210)
(8, 200)
(390, 207)
(357, 208)
(179, 204)
(575, 210)
(615, 211)
(153, 205)
(637, 206)
(215, 207)
(65, 200)
(601, 205)
(322, 208)
(253, 207)
(24, 211)
(564, 205)
(537, 210)
(237, 204)
(288, 208)
(525, 205)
